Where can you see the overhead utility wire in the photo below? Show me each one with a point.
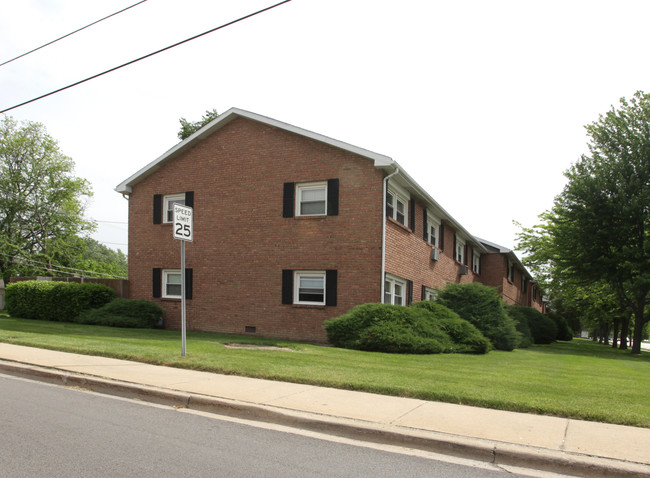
(72, 33)
(147, 56)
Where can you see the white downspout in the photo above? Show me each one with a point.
(383, 236)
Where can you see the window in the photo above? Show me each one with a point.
(460, 250)
(309, 287)
(476, 262)
(394, 290)
(524, 284)
(397, 206)
(433, 226)
(429, 294)
(311, 199)
(171, 283)
(511, 271)
(168, 205)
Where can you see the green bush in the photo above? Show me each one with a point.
(564, 332)
(521, 324)
(124, 313)
(466, 337)
(421, 329)
(483, 308)
(53, 300)
(388, 328)
(542, 327)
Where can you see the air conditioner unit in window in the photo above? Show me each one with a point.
(435, 254)
(463, 269)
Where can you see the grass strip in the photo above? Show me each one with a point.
(578, 379)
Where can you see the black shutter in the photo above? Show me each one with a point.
(157, 208)
(409, 286)
(465, 255)
(441, 241)
(471, 261)
(288, 200)
(412, 214)
(156, 280)
(189, 199)
(188, 283)
(425, 225)
(480, 261)
(287, 286)
(455, 253)
(332, 197)
(331, 279)
(423, 294)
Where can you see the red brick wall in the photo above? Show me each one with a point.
(408, 256)
(241, 241)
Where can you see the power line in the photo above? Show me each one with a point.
(44, 266)
(148, 55)
(72, 33)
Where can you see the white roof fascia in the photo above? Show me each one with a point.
(419, 191)
(126, 187)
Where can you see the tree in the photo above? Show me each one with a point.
(188, 129)
(599, 227)
(41, 201)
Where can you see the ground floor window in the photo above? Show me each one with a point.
(309, 287)
(394, 290)
(429, 294)
(171, 279)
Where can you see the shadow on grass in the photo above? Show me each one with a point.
(589, 348)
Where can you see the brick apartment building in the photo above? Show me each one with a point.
(292, 228)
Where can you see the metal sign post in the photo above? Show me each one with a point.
(184, 231)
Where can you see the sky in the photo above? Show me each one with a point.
(483, 103)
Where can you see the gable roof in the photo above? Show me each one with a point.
(126, 187)
(496, 248)
(380, 161)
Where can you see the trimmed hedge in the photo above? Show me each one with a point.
(521, 323)
(398, 329)
(55, 301)
(483, 308)
(124, 313)
(468, 339)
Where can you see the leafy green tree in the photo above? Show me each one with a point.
(189, 128)
(88, 256)
(599, 227)
(41, 200)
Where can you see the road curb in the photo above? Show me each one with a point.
(497, 453)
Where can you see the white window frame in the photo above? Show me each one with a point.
(298, 275)
(303, 187)
(165, 282)
(460, 250)
(391, 284)
(398, 197)
(476, 262)
(430, 294)
(168, 205)
(433, 224)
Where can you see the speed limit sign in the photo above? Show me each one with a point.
(183, 222)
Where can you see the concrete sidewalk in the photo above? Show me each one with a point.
(552, 444)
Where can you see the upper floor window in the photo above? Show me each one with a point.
(460, 250)
(476, 262)
(432, 228)
(397, 206)
(511, 271)
(311, 199)
(168, 205)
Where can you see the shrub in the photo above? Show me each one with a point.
(124, 313)
(56, 301)
(483, 308)
(466, 337)
(521, 324)
(388, 328)
(543, 330)
(564, 332)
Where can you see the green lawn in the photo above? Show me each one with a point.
(578, 379)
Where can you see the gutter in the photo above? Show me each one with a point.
(383, 235)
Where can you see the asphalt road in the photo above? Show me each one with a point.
(56, 431)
